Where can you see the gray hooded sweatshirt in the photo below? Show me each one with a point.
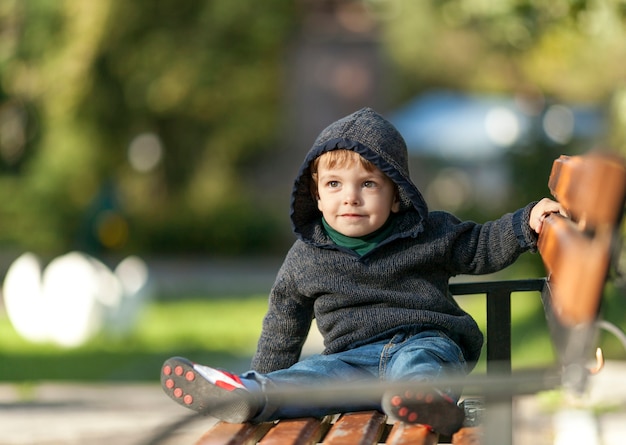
(401, 284)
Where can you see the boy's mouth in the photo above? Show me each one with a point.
(352, 215)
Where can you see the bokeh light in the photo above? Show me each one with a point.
(145, 152)
(558, 123)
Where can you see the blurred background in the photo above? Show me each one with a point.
(170, 131)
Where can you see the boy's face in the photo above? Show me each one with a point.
(355, 202)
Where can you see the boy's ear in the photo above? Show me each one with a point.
(395, 205)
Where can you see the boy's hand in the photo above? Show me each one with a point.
(542, 209)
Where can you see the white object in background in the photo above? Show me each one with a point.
(23, 298)
(78, 291)
(572, 426)
(134, 277)
(75, 297)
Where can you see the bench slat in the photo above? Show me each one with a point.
(224, 433)
(591, 187)
(468, 436)
(577, 251)
(408, 434)
(577, 266)
(361, 428)
(305, 431)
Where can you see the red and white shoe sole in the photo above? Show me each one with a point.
(430, 408)
(186, 386)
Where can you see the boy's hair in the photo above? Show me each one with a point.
(337, 159)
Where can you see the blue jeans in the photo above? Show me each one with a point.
(426, 355)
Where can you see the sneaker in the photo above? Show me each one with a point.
(474, 412)
(431, 407)
(209, 391)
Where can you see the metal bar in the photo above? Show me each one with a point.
(499, 419)
(499, 331)
(499, 423)
(483, 287)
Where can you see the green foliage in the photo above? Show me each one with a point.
(231, 229)
(514, 46)
(87, 78)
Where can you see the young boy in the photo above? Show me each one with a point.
(371, 264)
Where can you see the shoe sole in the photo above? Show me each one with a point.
(429, 408)
(183, 384)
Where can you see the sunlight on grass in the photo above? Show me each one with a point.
(229, 325)
(221, 331)
(530, 340)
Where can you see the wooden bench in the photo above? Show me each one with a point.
(576, 252)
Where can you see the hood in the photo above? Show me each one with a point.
(377, 140)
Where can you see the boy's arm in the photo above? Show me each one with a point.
(494, 245)
(285, 327)
(542, 209)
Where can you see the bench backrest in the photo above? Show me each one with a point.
(577, 250)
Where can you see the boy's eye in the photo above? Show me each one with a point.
(369, 184)
(333, 184)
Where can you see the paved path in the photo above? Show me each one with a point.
(131, 414)
(67, 414)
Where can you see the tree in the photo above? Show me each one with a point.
(554, 46)
(542, 53)
(194, 86)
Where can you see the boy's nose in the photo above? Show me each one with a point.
(351, 197)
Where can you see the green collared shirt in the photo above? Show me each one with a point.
(360, 244)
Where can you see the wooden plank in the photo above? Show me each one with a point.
(590, 187)
(468, 436)
(577, 266)
(305, 431)
(224, 433)
(577, 251)
(361, 428)
(411, 434)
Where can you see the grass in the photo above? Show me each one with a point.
(530, 342)
(224, 331)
